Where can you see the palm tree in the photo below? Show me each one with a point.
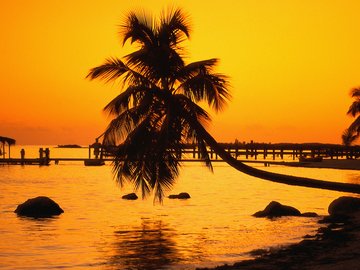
(156, 111)
(353, 131)
(348, 137)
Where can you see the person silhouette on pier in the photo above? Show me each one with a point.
(22, 154)
(47, 154)
(97, 147)
(41, 156)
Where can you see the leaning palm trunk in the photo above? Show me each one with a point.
(275, 177)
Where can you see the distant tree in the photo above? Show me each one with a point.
(348, 137)
(353, 131)
(156, 111)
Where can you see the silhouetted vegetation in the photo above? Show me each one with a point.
(353, 131)
(69, 146)
(156, 111)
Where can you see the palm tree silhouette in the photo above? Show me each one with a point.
(353, 131)
(157, 112)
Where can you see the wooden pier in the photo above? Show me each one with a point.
(97, 162)
(280, 154)
(255, 151)
(25, 161)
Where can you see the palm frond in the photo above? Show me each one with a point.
(139, 28)
(113, 68)
(155, 62)
(186, 109)
(211, 88)
(192, 109)
(174, 27)
(354, 108)
(131, 159)
(204, 154)
(193, 69)
(159, 56)
(141, 179)
(198, 82)
(355, 126)
(121, 126)
(348, 137)
(146, 161)
(355, 92)
(168, 171)
(131, 97)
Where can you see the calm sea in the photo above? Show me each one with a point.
(99, 230)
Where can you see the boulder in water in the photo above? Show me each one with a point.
(39, 207)
(276, 209)
(130, 196)
(182, 195)
(344, 206)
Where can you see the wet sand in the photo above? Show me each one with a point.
(335, 246)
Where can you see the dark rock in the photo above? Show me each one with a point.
(39, 207)
(259, 252)
(130, 196)
(182, 195)
(344, 207)
(334, 219)
(276, 209)
(308, 236)
(309, 214)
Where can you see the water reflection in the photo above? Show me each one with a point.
(149, 246)
(353, 178)
(36, 225)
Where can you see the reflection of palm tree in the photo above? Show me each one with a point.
(353, 131)
(157, 111)
(150, 247)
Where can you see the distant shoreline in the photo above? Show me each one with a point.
(69, 146)
(341, 164)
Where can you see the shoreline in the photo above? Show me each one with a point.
(336, 246)
(340, 164)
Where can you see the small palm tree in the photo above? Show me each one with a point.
(353, 131)
(156, 111)
(348, 137)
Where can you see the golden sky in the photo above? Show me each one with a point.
(291, 63)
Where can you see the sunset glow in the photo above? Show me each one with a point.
(291, 64)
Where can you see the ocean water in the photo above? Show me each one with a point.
(99, 230)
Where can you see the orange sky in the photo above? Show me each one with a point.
(291, 63)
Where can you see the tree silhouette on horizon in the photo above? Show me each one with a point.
(157, 109)
(352, 133)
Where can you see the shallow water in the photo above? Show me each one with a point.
(99, 230)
